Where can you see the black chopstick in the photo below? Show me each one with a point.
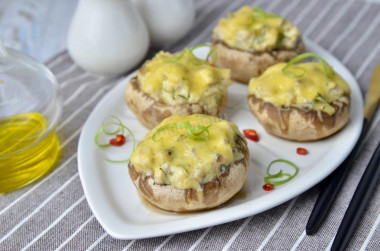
(358, 202)
(331, 187)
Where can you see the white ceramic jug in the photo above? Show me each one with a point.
(107, 37)
(167, 20)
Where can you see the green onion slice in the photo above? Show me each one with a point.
(280, 174)
(260, 13)
(329, 72)
(192, 56)
(197, 133)
(120, 129)
(103, 129)
(176, 59)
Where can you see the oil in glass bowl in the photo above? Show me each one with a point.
(30, 109)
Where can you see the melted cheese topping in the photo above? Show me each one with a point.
(246, 30)
(183, 162)
(314, 90)
(186, 80)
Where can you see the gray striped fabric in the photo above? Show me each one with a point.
(54, 214)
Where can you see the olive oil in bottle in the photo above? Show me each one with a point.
(28, 150)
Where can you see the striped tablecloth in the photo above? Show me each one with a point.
(54, 214)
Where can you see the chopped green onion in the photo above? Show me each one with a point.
(176, 59)
(269, 179)
(260, 13)
(194, 132)
(191, 53)
(329, 72)
(184, 97)
(212, 51)
(120, 130)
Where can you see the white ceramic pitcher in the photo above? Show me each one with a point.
(107, 37)
(167, 20)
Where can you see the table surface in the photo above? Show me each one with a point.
(53, 213)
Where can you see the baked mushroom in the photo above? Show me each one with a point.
(190, 163)
(300, 102)
(250, 40)
(177, 84)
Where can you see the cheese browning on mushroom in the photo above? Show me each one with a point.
(313, 91)
(251, 29)
(171, 157)
(177, 79)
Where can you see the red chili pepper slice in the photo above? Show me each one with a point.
(268, 187)
(251, 134)
(119, 140)
(302, 151)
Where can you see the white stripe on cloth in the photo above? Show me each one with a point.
(57, 60)
(369, 59)
(66, 71)
(335, 19)
(328, 248)
(80, 89)
(236, 234)
(97, 242)
(74, 79)
(370, 234)
(295, 246)
(129, 245)
(366, 241)
(72, 136)
(50, 175)
(14, 229)
(278, 224)
(89, 101)
(319, 18)
(75, 94)
(289, 8)
(305, 11)
(258, 2)
(272, 5)
(359, 15)
(364, 37)
(164, 242)
(54, 222)
(76, 232)
(196, 243)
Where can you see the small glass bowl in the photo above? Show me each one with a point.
(30, 109)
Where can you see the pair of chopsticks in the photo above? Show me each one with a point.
(358, 202)
(336, 179)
